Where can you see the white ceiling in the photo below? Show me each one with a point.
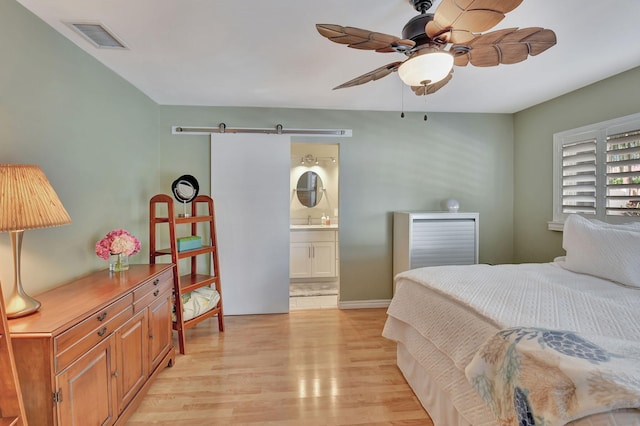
(267, 53)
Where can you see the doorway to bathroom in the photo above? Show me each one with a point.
(314, 255)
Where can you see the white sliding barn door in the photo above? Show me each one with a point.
(250, 189)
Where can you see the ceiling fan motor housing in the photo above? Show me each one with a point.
(414, 29)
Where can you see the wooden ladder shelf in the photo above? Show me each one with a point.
(202, 212)
(11, 404)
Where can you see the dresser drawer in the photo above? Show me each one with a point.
(156, 292)
(80, 338)
(163, 281)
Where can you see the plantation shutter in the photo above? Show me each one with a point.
(579, 177)
(623, 174)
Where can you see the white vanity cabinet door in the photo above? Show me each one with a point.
(300, 262)
(312, 254)
(323, 260)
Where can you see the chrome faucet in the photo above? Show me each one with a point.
(309, 220)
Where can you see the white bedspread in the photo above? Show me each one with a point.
(449, 331)
(539, 295)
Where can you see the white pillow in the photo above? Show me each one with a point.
(603, 250)
(632, 226)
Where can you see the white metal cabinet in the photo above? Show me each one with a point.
(434, 238)
(312, 254)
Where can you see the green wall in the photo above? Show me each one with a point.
(93, 134)
(388, 164)
(614, 97)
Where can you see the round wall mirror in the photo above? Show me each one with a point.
(309, 189)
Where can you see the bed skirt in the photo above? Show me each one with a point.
(439, 407)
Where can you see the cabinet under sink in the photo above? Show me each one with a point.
(313, 252)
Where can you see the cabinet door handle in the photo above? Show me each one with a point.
(102, 316)
(102, 331)
(115, 373)
(157, 292)
(309, 251)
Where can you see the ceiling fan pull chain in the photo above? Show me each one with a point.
(402, 98)
(425, 101)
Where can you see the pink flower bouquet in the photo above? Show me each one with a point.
(118, 241)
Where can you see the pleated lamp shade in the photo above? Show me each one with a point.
(27, 199)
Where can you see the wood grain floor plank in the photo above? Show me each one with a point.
(316, 367)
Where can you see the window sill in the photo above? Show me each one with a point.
(555, 226)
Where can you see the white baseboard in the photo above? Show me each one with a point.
(364, 304)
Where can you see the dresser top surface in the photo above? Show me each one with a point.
(81, 297)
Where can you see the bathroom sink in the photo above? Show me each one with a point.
(313, 227)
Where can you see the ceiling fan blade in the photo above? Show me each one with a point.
(371, 75)
(508, 46)
(364, 39)
(431, 88)
(456, 21)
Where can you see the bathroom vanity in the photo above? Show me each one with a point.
(314, 251)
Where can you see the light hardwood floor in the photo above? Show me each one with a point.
(315, 367)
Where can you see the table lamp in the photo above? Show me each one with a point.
(27, 201)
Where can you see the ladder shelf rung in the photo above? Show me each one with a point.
(191, 282)
(203, 316)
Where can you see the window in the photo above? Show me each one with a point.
(623, 174)
(597, 172)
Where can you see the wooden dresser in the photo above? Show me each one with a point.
(88, 356)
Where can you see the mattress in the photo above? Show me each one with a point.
(441, 315)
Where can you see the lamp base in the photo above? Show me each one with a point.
(20, 305)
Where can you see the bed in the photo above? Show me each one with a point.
(475, 341)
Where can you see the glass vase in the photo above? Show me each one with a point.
(118, 262)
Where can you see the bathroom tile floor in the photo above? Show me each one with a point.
(313, 302)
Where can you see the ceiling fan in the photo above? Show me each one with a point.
(434, 42)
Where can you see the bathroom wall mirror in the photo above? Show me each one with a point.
(309, 189)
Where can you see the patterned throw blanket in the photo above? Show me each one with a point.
(536, 376)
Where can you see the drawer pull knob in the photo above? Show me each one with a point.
(157, 292)
(102, 316)
(102, 331)
(156, 281)
(115, 374)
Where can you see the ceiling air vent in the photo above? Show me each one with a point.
(97, 34)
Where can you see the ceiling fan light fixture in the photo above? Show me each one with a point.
(429, 67)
